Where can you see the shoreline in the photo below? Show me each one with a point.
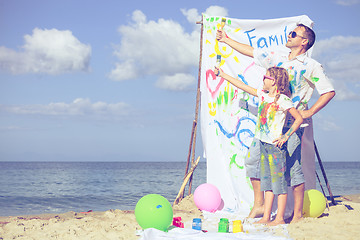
(339, 221)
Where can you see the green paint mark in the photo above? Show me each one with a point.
(249, 183)
(217, 18)
(212, 19)
(314, 79)
(232, 161)
(232, 143)
(229, 22)
(219, 99)
(232, 93)
(237, 112)
(226, 97)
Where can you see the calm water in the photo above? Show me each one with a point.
(57, 187)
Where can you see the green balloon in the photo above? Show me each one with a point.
(154, 211)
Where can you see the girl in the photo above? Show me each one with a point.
(274, 103)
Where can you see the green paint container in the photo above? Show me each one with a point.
(223, 225)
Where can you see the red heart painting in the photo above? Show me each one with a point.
(214, 78)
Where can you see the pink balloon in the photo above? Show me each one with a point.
(207, 197)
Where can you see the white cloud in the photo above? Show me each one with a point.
(340, 57)
(346, 91)
(154, 48)
(193, 16)
(347, 2)
(177, 82)
(325, 123)
(159, 48)
(12, 128)
(79, 107)
(48, 51)
(217, 11)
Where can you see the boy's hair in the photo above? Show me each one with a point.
(281, 81)
(309, 34)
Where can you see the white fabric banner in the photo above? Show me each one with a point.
(228, 114)
(190, 234)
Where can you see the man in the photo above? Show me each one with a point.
(305, 75)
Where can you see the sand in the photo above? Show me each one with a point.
(341, 221)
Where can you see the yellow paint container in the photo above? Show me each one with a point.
(237, 226)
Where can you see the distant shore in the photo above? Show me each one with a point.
(341, 221)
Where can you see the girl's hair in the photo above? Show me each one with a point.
(281, 81)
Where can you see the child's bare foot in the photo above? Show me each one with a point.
(296, 219)
(263, 221)
(275, 223)
(256, 212)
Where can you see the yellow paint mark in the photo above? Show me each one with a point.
(207, 42)
(222, 62)
(236, 59)
(270, 159)
(223, 54)
(238, 29)
(212, 108)
(209, 31)
(212, 55)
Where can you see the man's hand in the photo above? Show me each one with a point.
(221, 35)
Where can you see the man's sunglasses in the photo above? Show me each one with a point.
(293, 34)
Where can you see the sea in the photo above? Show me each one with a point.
(28, 188)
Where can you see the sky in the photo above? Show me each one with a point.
(116, 80)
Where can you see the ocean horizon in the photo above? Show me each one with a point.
(57, 187)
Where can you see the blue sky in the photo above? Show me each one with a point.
(116, 81)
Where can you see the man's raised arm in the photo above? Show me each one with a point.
(244, 49)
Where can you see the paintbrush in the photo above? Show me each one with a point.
(222, 24)
(218, 57)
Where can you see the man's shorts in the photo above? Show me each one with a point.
(294, 174)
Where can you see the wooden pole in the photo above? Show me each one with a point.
(190, 148)
(186, 179)
(324, 174)
(198, 95)
(189, 153)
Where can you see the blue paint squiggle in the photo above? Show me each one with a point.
(243, 79)
(245, 131)
(296, 99)
(237, 132)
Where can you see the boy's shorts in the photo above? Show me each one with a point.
(272, 168)
(252, 160)
(294, 174)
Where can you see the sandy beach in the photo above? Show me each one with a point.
(341, 221)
